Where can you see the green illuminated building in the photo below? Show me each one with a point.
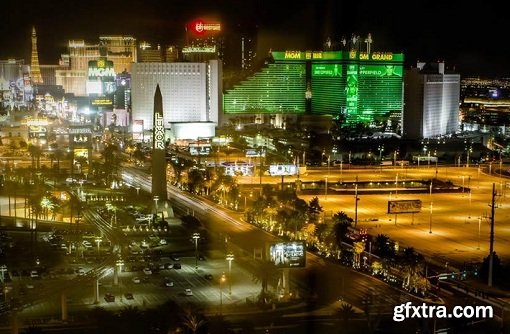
(362, 87)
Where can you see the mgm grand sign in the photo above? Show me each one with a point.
(101, 69)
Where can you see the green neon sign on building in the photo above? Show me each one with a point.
(360, 86)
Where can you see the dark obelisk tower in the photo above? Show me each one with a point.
(158, 151)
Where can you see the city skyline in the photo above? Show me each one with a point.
(432, 32)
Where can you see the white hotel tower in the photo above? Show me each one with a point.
(431, 99)
(191, 96)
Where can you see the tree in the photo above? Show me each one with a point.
(498, 269)
(192, 319)
(266, 272)
(358, 248)
(35, 153)
(384, 247)
(341, 228)
(314, 207)
(195, 180)
(345, 312)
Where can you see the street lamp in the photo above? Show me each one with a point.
(230, 258)
(222, 280)
(195, 237)
(156, 199)
(431, 207)
(98, 241)
(479, 222)
(118, 267)
(326, 189)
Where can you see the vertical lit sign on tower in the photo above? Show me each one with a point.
(159, 132)
(158, 149)
(351, 91)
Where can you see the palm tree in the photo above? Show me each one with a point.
(195, 180)
(384, 246)
(192, 320)
(345, 313)
(314, 209)
(35, 153)
(266, 271)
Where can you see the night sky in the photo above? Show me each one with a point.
(471, 38)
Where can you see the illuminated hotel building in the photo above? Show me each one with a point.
(203, 41)
(358, 86)
(431, 101)
(191, 93)
(119, 49)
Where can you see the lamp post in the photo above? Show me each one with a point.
(222, 280)
(118, 267)
(98, 241)
(396, 186)
(326, 189)
(431, 208)
(479, 223)
(137, 190)
(195, 237)
(156, 199)
(230, 258)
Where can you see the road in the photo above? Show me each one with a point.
(328, 281)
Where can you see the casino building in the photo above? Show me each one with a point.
(360, 87)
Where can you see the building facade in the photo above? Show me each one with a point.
(359, 87)
(121, 50)
(191, 92)
(431, 101)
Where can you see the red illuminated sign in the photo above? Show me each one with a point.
(200, 27)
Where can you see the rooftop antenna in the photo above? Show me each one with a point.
(369, 42)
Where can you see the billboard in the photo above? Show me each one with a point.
(288, 254)
(100, 77)
(404, 206)
(282, 170)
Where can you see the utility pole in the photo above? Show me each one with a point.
(356, 199)
(491, 247)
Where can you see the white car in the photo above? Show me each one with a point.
(136, 280)
(147, 271)
(188, 292)
(169, 283)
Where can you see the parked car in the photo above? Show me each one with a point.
(136, 280)
(209, 277)
(129, 296)
(109, 298)
(147, 271)
(188, 292)
(177, 266)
